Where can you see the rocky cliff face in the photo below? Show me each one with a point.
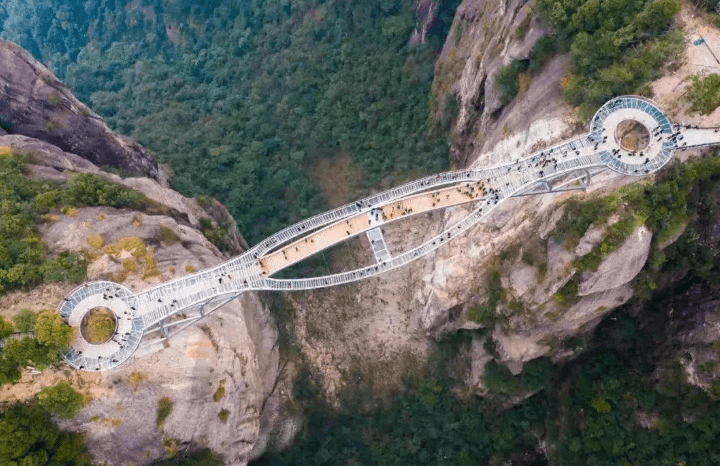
(217, 374)
(384, 327)
(34, 103)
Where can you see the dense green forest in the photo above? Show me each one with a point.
(245, 98)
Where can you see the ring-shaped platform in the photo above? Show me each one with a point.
(661, 145)
(95, 357)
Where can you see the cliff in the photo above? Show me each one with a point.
(370, 333)
(35, 104)
(219, 374)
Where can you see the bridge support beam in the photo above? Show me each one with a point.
(379, 247)
(198, 312)
(580, 180)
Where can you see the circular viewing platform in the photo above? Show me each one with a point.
(108, 333)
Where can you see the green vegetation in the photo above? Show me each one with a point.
(6, 328)
(664, 207)
(21, 353)
(217, 235)
(536, 374)
(567, 294)
(167, 236)
(617, 47)
(51, 330)
(243, 99)
(485, 313)
(200, 457)
(219, 393)
(223, 415)
(24, 321)
(507, 80)
(164, 409)
(704, 94)
(23, 259)
(61, 400)
(29, 437)
(98, 325)
(51, 336)
(88, 189)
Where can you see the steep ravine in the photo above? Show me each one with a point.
(384, 327)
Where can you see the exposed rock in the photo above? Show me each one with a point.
(485, 36)
(235, 347)
(34, 103)
(621, 265)
(592, 237)
(47, 154)
(426, 12)
(51, 163)
(478, 357)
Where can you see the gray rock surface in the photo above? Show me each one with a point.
(34, 103)
(621, 265)
(52, 163)
(234, 347)
(426, 12)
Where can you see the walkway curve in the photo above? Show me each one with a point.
(156, 306)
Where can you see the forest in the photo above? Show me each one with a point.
(244, 100)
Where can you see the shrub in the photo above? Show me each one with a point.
(51, 330)
(219, 393)
(67, 266)
(485, 313)
(61, 400)
(704, 94)
(95, 241)
(507, 80)
(163, 411)
(568, 292)
(6, 328)
(167, 236)
(88, 189)
(99, 325)
(136, 378)
(223, 415)
(24, 321)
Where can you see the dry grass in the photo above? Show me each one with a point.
(219, 393)
(167, 236)
(99, 325)
(136, 378)
(5, 150)
(95, 241)
(151, 269)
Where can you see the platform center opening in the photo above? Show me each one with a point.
(98, 325)
(632, 136)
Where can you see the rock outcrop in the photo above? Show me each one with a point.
(217, 375)
(34, 103)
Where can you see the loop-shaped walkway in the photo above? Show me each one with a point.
(576, 159)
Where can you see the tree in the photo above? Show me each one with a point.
(61, 400)
(6, 328)
(29, 437)
(25, 321)
(51, 330)
(29, 351)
